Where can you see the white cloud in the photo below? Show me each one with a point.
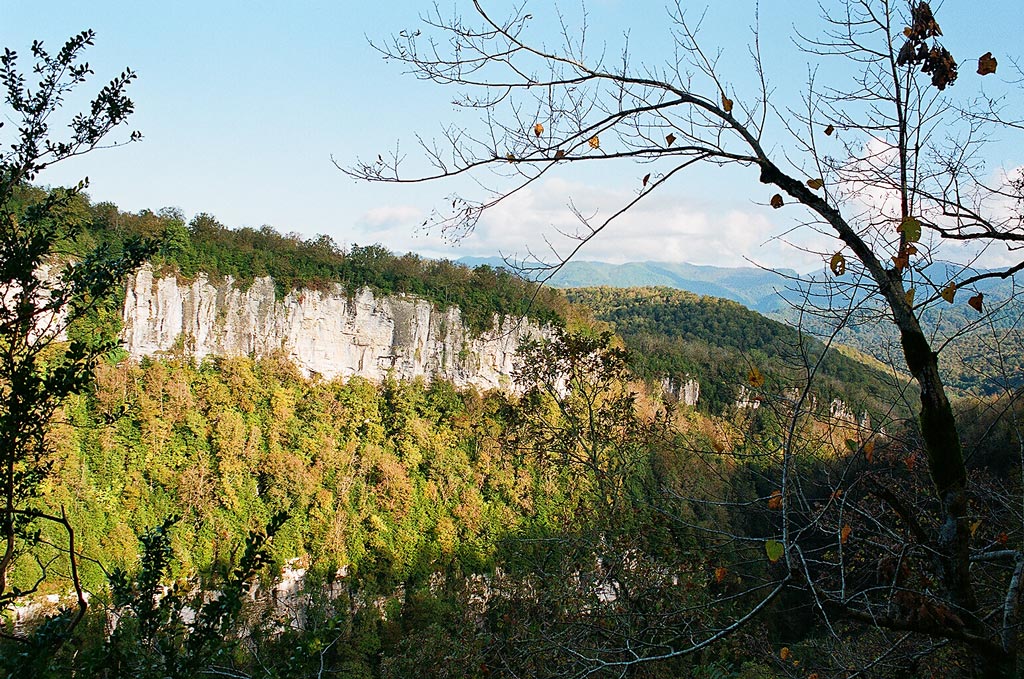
(387, 217)
(669, 228)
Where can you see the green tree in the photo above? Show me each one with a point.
(45, 289)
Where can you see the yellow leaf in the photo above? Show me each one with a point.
(670, 139)
(538, 130)
(987, 64)
(815, 184)
(777, 201)
(911, 229)
(510, 157)
(869, 450)
(977, 302)
(784, 653)
(726, 104)
(755, 378)
(559, 154)
(838, 264)
(844, 534)
(594, 142)
(975, 526)
(774, 550)
(829, 130)
(948, 292)
(910, 296)
(775, 501)
(647, 178)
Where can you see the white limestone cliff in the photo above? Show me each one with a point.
(323, 332)
(685, 390)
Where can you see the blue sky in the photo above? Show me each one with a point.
(243, 104)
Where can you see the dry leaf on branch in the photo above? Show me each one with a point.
(987, 64)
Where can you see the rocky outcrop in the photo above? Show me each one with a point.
(323, 332)
(685, 390)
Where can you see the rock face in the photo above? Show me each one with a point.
(685, 390)
(327, 333)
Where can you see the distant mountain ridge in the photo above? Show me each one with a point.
(754, 288)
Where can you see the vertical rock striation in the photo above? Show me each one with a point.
(325, 332)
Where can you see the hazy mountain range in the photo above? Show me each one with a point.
(755, 288)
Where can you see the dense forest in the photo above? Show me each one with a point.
(403, 494)
(436, 532)
(205, 246)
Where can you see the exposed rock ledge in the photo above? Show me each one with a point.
(327, 333)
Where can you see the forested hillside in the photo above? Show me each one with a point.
(409, 494)
(204, 245)
(718, 342)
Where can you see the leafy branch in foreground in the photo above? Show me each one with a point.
(43, 293)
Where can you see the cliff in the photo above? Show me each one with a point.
(324, 332)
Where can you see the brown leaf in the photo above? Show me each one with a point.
(987, 64)
(594, 142)
(910, 296)
(948, 292)
(777, 201)
(559, 154)
(538, 130)
(726, 104)
(844, 534)
(775, 501)
(976, 302)
(838, 264)
(670, 139)
(869, 451)
(829, 130)
(910, 461)
(510, 157)
(647, 178)
(784, 653)
(922, 22)
(815, 184)
(755, 378)
(720, 574)
(901, 262)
